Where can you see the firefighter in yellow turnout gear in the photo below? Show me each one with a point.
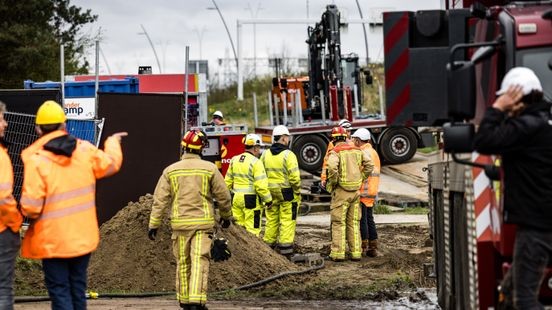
(347, 168)
(284, 182)
(188, 188)
(246, 178)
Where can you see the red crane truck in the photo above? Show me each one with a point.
(475, 47)
(332, 91)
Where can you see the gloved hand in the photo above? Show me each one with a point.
(219, 250)
(225, 223)
(268, 205)
(152, 233)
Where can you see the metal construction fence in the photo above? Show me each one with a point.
(21, 133)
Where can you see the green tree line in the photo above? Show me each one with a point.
(31, 32)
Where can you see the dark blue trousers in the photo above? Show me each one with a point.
(367, 225)
(9, 247)
(66, 281)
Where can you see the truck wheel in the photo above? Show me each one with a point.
(398, 145)
(310, 151)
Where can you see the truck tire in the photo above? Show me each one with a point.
(310, 151)
(398, 145)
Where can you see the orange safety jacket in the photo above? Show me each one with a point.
(323, 175)
(59, 194)
(369, 188)
(9, 215)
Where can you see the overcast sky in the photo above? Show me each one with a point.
(173, 24)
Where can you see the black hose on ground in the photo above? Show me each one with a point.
(272, 278)
(93, 295)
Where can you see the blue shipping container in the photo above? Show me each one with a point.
(86, 89)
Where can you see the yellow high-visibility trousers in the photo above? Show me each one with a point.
(192, 252)
(345, 222)
(249, 218)
(281, 220)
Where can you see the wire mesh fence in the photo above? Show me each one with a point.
(21, 133)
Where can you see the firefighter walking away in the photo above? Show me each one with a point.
(188, 188)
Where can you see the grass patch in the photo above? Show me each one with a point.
(416, 210)
(381, 209)
(429, 149)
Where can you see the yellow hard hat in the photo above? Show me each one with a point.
(50, 112)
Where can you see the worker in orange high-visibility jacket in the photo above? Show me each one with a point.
(348, 167)
(188, 187)
(10, 221)
(368, 194)
(59, 198)
(344, 123)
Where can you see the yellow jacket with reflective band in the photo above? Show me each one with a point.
(324, 173)
(369, 188)
(59, 196)
(188, 188)
(9, 215)
(246, 175)
(348, 167)
(282, 171)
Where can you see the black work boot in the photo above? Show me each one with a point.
(198, 307)
(185, 306)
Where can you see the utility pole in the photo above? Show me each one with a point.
(254, 15)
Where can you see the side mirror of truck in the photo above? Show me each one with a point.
(461, 90)
(458, 138)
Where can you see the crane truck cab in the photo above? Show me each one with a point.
(473, 247)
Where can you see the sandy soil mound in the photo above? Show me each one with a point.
(127, 260)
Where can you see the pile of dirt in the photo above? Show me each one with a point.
(127, 260)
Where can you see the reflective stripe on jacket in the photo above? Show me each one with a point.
(246, 174)
(369, 188)
(9, 215)
(188, 188)
(348, 167)
(59, 196)
(282, 170)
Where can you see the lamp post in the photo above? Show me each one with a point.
(152, 47)
(365, 36)
(227, 31)
(254, 15)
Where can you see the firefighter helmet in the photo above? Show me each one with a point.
(252, 140)
(194, 139)
(362, 133)
(338, 132)
(50, 112)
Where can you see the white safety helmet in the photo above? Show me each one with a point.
(252, 140)
(523, 77)
(218, 113)
(345, 124)
(280, 130)
(362, 133)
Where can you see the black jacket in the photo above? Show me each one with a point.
(525, 144)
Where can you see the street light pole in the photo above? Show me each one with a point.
(227, 31)
(365, 36)
(152, 47)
